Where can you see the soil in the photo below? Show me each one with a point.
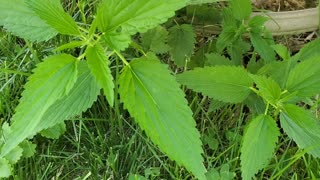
(284, 5)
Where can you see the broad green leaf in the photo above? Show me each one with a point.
(132, 16)
(84, 92)
(282, 51)
(52, 12)
(311, 49)
(17, 18)
(99, 66)
(259, 142)
(154, 99)
(241, 9)
(262, 47)
(28, 148)
(182, 42)
(302, 127)
(305, 78)
(225, 83)
(52, 79)
(268, 88)
(116, 40)
(5, 168)
(214, 59)
(155, 40)
(55, 131)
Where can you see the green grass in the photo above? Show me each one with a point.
(105, 143)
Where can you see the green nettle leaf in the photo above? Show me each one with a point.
(52, 79)
(52, 12)
(55, 131)
(5, 168)
(154, 99)
(282, 51)
(304, 78)
(278, 71)
(20, 20)
(302, 127)
(237, 49)
(182, 42)
(227, 36)
(262, 47)
(258, 145)
(83, 94)
(155, 40)
(116, 40)
(311, 49)
(134, 16)
(214, 59)
(28, 148)
(225, 83)
(268, 88)
(256, 23)
(241, 9)
(99, 66)
(255, 104)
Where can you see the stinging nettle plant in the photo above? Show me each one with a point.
(63, 86)
(271, 89)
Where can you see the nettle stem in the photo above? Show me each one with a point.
(122, 58)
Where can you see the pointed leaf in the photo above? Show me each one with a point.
(241, 9)
(214, 59)
(262, 47)
(154, 99)
(155, 40)
(182, 42)
(5, 168)
(20, 20)
(282, 51)
(311, 49)
(135, 15)
(52, 79)
(225, 83)
(278, 71)
(302, 127)
(84, 92)
(256, 23)
(269, 89)
(258, 145)
(227, 36)
(99, 66)
(52, 12)
(304, 78)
